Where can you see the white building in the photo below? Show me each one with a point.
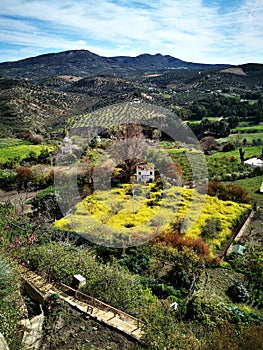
(145, 173)
(67, 146)
(254, 162)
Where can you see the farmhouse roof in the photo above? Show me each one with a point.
(145, 167)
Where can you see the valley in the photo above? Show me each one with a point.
(78, 133)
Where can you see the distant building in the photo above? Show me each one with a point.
(254, 162)
(68, 147)
(145, 173)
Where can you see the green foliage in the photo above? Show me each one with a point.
(244, 315)
(7, 177)
(135, 261)
(186, 268)
(251, 264)
(23, 151)
(107, 282)
(164, 331)
(254, 274)
(207, 313)
(228, 167)
(237, 292)
(236, 261)
(9, 303)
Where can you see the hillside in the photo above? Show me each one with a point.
(237, 77)
(102, 86)
(84, 63)
(26, 106)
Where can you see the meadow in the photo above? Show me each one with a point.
(142, 216)
(10, 141)
(239, 138)
(252, 186)
(248, 129)
(18, 150)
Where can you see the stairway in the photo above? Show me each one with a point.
(92, 308)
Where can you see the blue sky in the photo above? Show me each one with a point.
(208, 31)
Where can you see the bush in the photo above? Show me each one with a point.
(237, 292)
(211, 228)
(7, 177)
(109, 282)
(23, 176)
(228, 192)
(228, 147)
(207, 313)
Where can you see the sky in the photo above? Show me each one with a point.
(201, 31)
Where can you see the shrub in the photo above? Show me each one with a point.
(237, 292)
(23, 176)
(207, 313)
(7, 177)
(228, 147)
(228, 192)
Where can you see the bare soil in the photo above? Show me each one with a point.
(67, 328)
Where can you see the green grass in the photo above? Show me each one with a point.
(10, 141)
(240, 137)
(252, 185)
(221, 165)
(19, 152)
(254, 128)
(250, 151)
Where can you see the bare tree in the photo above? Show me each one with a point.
(127, 150)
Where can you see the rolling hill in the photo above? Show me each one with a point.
(26, 106)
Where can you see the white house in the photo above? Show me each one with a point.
(145, 173)
(67, 146)
(254, 162)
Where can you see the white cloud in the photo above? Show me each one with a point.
(189, 31)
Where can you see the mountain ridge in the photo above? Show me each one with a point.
(84, 63)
